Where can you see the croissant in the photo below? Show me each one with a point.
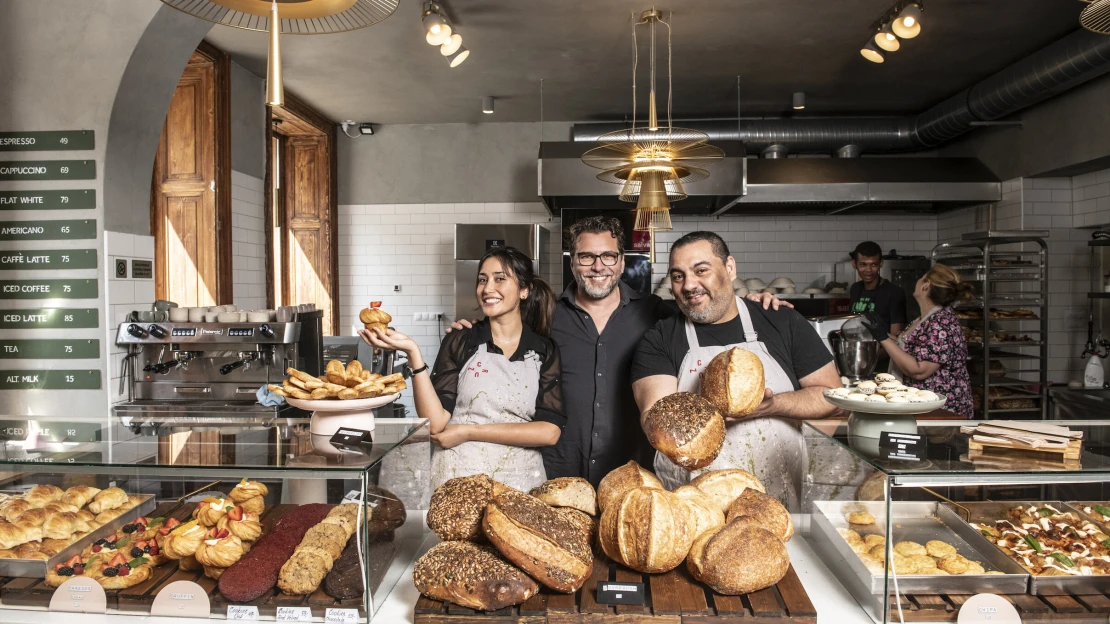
(13, 535)
(32, 518)
(79, 495)
(31, 550)
(254, 505)
(247, 527)
(183, 541)
(220, 549)
(59, 506)
(63, 525)
(209, 512)
(246, 490)
(8, 553)
(14, 509)
(105, 517)
(40, 495)
(108, 499)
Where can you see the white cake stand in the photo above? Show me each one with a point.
(329, 415)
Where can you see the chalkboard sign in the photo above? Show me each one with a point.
(47, 170)
(50, 380)
(48, 230)
(48, 289)
(61, 349)
(50, 318)
(77, 199)
(47, 260)
(47, 141)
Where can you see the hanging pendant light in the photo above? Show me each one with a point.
(275, 90)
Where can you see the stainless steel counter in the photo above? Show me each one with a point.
(1081, 404)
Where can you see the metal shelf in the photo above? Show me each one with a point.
(1005, 355)
(1008, 344)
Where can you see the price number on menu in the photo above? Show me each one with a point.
(341, 616)
(242, 612)
(293, 614)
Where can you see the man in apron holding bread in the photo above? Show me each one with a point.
(797, 367)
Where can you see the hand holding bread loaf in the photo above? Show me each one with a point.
(686, 428)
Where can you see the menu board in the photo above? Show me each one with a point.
(59, 272)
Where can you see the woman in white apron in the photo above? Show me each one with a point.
(770, 448)
(493, 396)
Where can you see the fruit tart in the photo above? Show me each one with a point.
(109, 546)
(122, 572)
(241, 524)
(74, 566)
(183, 540)
(210, 510)
(148, 549)
(218, 551)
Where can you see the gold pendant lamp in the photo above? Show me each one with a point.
(652, 162)
(275, 90)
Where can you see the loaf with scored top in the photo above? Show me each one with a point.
(734, 382)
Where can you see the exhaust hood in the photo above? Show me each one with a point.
(741, 185)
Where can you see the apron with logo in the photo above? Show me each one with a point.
(493, 390)
(770, 448)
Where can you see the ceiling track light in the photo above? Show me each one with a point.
(436, 29)
(799, 100)
(871, 52)
(487, 105)
(886, 39)
(902, 20)
(458, 57)
(908, 23)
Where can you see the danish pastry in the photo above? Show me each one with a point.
(254, 505)
(247, 490)
(219, 549)
(183, 541)
(209, 512)
(74, 566)
(241, 524)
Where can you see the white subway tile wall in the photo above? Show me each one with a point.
(122, 296)
(248, 242)
(1091, 198)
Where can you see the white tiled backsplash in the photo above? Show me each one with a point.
(248, 242)
(122, 296)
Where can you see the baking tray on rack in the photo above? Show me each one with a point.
(921, 522)
(36, 568)
(1038, 585)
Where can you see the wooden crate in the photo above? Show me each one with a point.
(945, 607)
(672, 597)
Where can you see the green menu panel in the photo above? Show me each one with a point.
(48, 289)
(47, 259)
(47, 140)
(47, 170)
(48, 200)
(62, 349)
(48, 230)
(50, 380)
(18, 430)
(50, 318)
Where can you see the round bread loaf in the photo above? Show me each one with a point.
(648, 529)
(620, 480)
(574, 492)
(739, 558)
(733, 382)
(704, 515)
(456, 508)
(471, 576)
(765, 509)
(686, 428)
(724, 486)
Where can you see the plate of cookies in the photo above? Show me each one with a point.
(884, 395)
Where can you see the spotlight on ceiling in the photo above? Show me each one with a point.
(908, 23)
(799, 100)
(871, 52)
(886, 39)
(437, 30)
(459, 56)
(453, 43)
(487, 105)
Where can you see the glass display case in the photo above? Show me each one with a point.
(263, 517)
(956, 512)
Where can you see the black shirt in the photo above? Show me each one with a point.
(459, 346)
(788, 337)
(603, 423)
(886, 300)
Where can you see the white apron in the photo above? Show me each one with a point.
(493, 390)
(770, 448)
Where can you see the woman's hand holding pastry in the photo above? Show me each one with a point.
(451, 436)
(389, 339)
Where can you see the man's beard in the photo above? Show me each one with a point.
(592, 290)
(711, 312)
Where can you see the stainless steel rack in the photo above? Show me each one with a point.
(1010, 270)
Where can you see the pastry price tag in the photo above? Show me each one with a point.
(242, 612)
(293, 614)
(181, 599)
(341, 616)
(988, 608)
(904, 446)
(346, 436)
(620, 593)
(79, 594)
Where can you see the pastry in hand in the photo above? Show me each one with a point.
(121, 573)
(219, 549)
(210, 510)
(183, 540)
(110, 498)
(241, 524)
(74, 566)
(374, 317)
(79, 495)
(246, 490)
(40, 495)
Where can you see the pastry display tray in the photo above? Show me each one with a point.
(921, 522)
(1038, 585)
(36, 568)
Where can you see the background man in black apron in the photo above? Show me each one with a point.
(796, 365)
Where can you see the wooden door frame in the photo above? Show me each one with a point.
(221, 127)
(298, 117)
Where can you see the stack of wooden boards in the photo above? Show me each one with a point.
(1024, 441)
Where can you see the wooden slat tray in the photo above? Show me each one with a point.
(945, 607)
(672, 597)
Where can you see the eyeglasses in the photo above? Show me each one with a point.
(608, 258)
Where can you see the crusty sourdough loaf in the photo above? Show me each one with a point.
(541, 541)
(686, 428)
(456, 508)
(733, 381)
(724, 486)
(764, 509)
(573, 492)
(704, 514)
(738, 558)
(471, 575)
(620, 480)
(648, 529)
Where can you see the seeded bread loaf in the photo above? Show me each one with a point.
(471, 575)
(541, 541)
(573, 492)
(456, 508)
(686, 428)
(739, 558)
(734, 382)
(620, 480)
(764, 509)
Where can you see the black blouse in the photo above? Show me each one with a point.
(459, 346)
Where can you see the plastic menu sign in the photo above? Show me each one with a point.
(181, 599)
(293, 614)
(341, 616)
(242, 612)
(988, 608)
(79, 594)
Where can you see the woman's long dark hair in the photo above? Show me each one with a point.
(538, 309)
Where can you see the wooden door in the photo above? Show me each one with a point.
(308, 238)
(187, 191)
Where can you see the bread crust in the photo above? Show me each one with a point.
(573, 492)
(724, 486)
(620, 480)
(471, 576)
(686, 428)
(456, 507)
(648, 530)
(734, 382)
(765, 509)
(704, 514)
(761, 555)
